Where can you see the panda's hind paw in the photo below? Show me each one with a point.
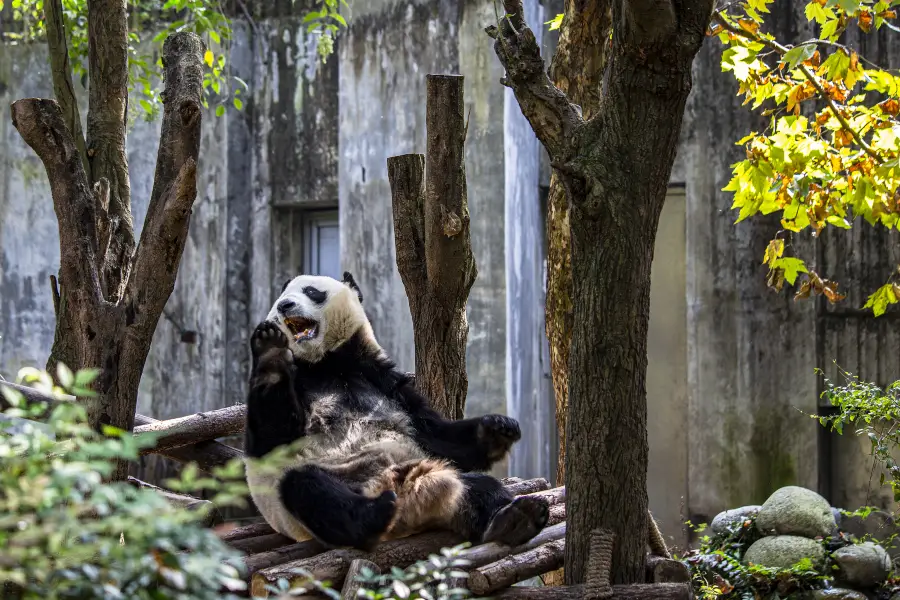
(379, 514)
(519, 521)
(267, 336)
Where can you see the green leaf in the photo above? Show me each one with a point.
(799, 54)
(65, 376)
(220, 110)
(238, 104)
(881, 299)
(791, 266)
(215, 37)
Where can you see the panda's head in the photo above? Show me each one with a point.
(319, 314)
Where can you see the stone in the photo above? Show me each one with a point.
(794, 510)
(729, 520)
(863, 565)
(784, 551)
(879, 526)
(836, 594)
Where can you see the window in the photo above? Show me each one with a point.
(322, 243)
(305, 241)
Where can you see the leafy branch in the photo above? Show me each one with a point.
(841, 162)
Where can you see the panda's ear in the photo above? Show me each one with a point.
(284, 287)
(351, 283)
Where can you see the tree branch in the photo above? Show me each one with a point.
(406, 175)
(174, 188)
(193, 428)
(433, 244)
(41, 124)
(807, 73)
(61, 72)
(106, 125)
(647, 21)
(503, 573)
(554, 119)
(207, 454)
(449, 262)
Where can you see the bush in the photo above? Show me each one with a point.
(65, 533)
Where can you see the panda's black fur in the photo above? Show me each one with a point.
(377, 461)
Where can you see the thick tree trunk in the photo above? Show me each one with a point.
(577, 70)
(109, 304)
(434, 249)
(615, 167)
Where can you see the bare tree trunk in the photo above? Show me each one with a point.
(615, 167)
(110, 296)
(434, 249)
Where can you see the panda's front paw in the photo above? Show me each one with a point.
(497, 434)
(267, 336)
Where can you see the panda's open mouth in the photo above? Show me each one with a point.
(302, 329)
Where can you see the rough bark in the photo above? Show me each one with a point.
(434, 250)
(528, 487)
(663, 591)
(615, 168)
(206, 454)
(183, 431)
(107, 120)
(577, 70)
(261, 543)
(108, 311)
(517, 567)
(247, 531)
(352, 585)
(182, 501)
(285, 554)
(61, 72)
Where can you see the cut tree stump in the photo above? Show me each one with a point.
(352, 584)
(433, 245)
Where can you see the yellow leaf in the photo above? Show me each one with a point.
(208, 58)
(773, 252)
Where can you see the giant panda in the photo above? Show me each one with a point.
(373, 460)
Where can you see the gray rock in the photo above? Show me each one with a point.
(879, 526)
(863, 565)
(794, 510)
(729, 520)
(784, 551)
(836, 594)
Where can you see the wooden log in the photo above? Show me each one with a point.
(285, 554)
(642, 591)
(489, 553)
(234, 534)
(666, 570)
(517, 567)
(183, 501)
(351, 586)
(528, 487)
(206, 454)
(261, 543)
(195, 428)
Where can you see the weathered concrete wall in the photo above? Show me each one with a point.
(752, 352)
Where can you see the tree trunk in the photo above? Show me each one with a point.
(110, 296)
(577, 70)
(434, 248)
(615, 167)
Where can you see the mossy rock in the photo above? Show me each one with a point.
(784, 551)
(797, 511)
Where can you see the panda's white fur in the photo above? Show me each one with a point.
(427, 495)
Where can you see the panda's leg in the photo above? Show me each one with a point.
(487, 512)
(335, 514)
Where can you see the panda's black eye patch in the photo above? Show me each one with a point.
(317, 296)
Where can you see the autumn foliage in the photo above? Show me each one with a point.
(830, 155)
